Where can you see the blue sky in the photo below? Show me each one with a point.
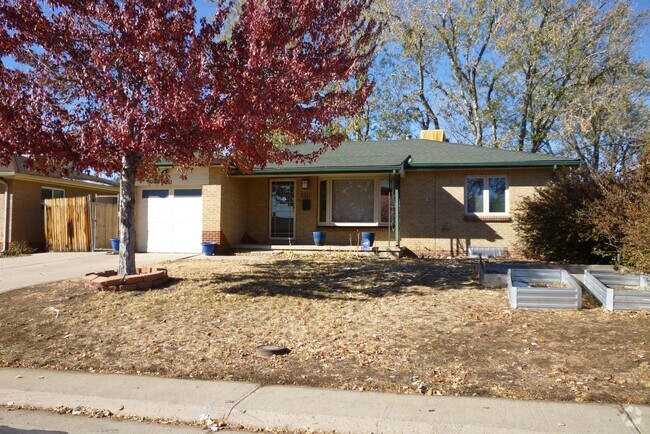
(206, 8)
(643, 49)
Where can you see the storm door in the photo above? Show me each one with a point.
(283, 211)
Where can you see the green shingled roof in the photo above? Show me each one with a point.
(389, 155)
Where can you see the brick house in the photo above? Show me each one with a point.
(22, 192)
(422, 195)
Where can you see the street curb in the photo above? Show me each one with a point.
(294, 408)
(140, 396)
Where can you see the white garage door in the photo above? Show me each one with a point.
(169, 220)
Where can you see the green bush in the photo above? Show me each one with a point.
(18, 248)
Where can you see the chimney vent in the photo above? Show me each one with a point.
(435, 135)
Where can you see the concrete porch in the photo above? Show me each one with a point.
(380, 250)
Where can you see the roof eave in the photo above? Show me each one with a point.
(520, 164)
(320, 170)
(65, 182)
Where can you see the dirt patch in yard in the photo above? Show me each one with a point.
(628, 288)
(408, 326)
(547, 285)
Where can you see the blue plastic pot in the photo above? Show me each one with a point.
(367, 239)
(319, 238)
(115, 244)
(209, 248)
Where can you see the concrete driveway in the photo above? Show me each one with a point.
(49, 267)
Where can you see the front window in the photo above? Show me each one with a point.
(353, 201)
(486, 195)
(497, 195)
(474, 195)
(51, 193)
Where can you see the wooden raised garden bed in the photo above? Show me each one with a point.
(619, 291)
(543, 289)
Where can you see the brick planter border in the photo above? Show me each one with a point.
(146, 278)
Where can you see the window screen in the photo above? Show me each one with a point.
(353, 201)
(474, 195)
(497, 195)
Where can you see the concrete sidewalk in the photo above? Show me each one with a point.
(35, 422)
(285, 407)
(50, 267)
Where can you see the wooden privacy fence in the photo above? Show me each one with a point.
(103, 221)
(81, 224)
(67, 224)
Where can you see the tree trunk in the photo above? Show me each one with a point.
(525, 106)
(431, 116)
(126, 264)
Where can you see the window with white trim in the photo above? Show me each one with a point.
(486, 195)
(51, 193)
(358, 201)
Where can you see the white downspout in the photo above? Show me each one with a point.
(6, 219)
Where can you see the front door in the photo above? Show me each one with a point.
(282, 209)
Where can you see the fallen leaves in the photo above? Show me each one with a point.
(408, 326)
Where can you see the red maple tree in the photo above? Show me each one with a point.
(118, 85)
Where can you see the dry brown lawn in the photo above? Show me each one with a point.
(407, 326)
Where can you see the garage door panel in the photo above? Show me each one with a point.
(184, 212)
(170, 223)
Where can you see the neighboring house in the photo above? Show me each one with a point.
(426, 196)
(22, 193)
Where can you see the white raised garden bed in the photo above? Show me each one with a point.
(619, 291)
(543, 289)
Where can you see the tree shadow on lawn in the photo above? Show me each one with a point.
(351, 279)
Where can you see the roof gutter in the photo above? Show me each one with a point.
(64, 182)
(320, 170)
(402, 167)
(5, 241)
(542, 163)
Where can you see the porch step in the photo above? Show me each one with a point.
(381, 251)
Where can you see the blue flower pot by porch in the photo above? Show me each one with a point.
(319, 238)
(367, 238)
(115, 244)
(209, 248)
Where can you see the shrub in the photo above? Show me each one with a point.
(586, 218)
(551, 224)
(18, 248)
(622, 216)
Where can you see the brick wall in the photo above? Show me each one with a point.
(224, 209)
(433, 210)
(306, 220)
(234, 219)
(219, 237)
(257, 209)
